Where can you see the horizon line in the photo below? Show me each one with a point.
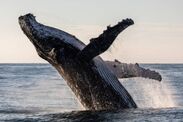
(50, 64)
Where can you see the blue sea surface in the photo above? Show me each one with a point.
(28, 90)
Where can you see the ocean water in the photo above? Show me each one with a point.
(32, 92)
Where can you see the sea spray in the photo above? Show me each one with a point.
(149, 93)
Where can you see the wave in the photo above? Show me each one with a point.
(1, 77)
(170, 114)
(18, 111)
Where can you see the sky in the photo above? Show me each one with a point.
(156, 36)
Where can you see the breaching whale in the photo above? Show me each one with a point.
(96, 87)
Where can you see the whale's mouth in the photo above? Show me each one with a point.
(34, 31)
(48, 40)
(26, 23)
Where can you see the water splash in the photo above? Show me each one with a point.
(149, 93)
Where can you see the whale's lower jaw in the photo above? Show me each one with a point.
(93, 83)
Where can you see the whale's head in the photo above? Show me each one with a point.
(49, 42)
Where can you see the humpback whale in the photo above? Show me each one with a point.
(85, 72)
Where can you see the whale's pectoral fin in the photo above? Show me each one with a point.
(102, 43)
(124, 70)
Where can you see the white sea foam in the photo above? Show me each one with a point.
(149, 93)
